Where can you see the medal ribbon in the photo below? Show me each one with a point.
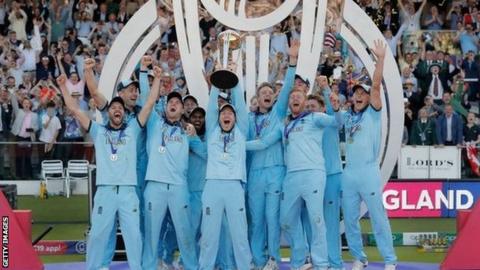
(171, 134)
(288, 128)
(354, 123)
(226, 139)
(258, 128)
(114, 149)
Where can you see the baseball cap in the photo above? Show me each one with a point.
(198, 110)
(226, 106)
(190, 97)
(116, 100)
(305, 81)
(365, 87)
(126, 83)
(174, 95)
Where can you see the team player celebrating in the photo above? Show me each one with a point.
(304, 182)
(166, 188)
(226, 133)
(115, 144)
(267, 170)
(361, 179)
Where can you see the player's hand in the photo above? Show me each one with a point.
(89, 64)
(157, 71)
(146, 61)
(379, 49)
(62, 79)
(335, 101)
(190, 129)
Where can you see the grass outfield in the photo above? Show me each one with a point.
(69, 218)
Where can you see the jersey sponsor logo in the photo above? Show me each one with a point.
(173, 138)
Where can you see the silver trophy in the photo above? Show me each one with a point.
(229, 44)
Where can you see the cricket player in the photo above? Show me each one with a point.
(267, 170)
(115, 144)
(226, 133)
(166, 183)
(361, 179)
(302, 136)
(333, 166)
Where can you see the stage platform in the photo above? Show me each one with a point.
(283, 266)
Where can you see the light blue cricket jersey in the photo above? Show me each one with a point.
(262, 124)
(119, 170)
(303, 148)
(363, 132)
(167, 161)
(227, 151)
(197, 169)
(331, 141)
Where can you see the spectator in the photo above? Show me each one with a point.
(468, 39)
(449, 128)
(454, 16)
(471, 68)
(3, 17)
(407, 75)
(18, 21)
(49, 133)
(387, 18)
(409, 16)
(101, 14)
(436, 84)
(433, 110)
(423, 130)
(24, 127)
(413, 97)
(471, 133)
(433, 20)
(72, 133)
(471, 130)
(45, 69)
(392, 41)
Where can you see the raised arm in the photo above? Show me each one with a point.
(143, 79)
(375, 97)
(326, 97)
(100, 100)
(59, 61)
(422, 6)
(401, 6)
(238, 102)
(71, 104)
(212, 110)
(399, 33)
(152, 97)
(280, 107)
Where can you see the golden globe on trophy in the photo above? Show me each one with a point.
(229, 44)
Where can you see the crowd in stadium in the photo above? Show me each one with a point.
(52, 54)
